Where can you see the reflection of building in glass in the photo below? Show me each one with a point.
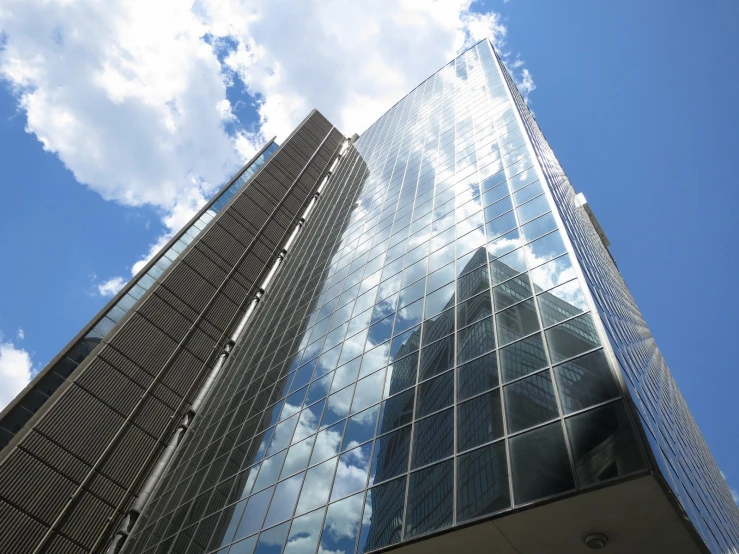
(428, 356)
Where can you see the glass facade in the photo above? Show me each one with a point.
(675, 441)
(426, 356)
(53, 378)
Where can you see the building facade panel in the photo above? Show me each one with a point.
(77, 464)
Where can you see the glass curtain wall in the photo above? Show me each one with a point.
(448, 367)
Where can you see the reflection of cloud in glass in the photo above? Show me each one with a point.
(552, 273)
(304, 533)
(351, 473)
(342, 523)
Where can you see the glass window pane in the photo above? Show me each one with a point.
(270, 471)
(433, 438)
(473, 283)
(410, 294)
(435, 394)
(390, 457)
(319, 389)
(430, 499)
(504, 244)
(530, 191)
(256, 509)
(385, 307)
(438, 327)
(523, 357)
(517, 321)
(603, 444)
(439, 300)
(540, 464)
(571, 338)
(474, 309)
(341, 526)
(538, 227)
(441, 277)
(343, 376)
(369, 391)
(479, 420)
(498, 208)
(544, 249)
(327, 443)
(585, 381)
(242, 547)
(409, 316)
(530, 401)
(304, 532)
(272, 540)
(406, 342)
(512, 291)
(374, 359)
(380, 331)
(397, 411)
(401, 373)
(532, 209)
(437, 358)
(500, 226)
(475, 340)
(337, 406)
(382, 522)
(552, 273)
(482, 482)
(315, 489)
(477, 376)
(283, 501)
(561, 302)
(297, 457)
(302, 377)
(351, 473)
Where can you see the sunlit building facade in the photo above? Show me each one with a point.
(439, 361)
(447, 358)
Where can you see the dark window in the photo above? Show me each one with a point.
(430, 499)
(585, 381)
(517, 322)
(385, 526)
(572, 337)
(530, 401)
(540, 464)
(390, 457)
(482, 482)
(437, 358)
(435, 394)
(522, 358)
(396, 411)
(433, 438)
(603, 444)
(477, 376)
(479, 420)
(475, 340)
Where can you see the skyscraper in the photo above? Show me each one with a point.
(412, 339)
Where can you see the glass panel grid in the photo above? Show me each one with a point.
(424, 351)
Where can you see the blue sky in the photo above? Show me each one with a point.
(636, 98)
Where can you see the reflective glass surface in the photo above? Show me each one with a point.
(429, 345)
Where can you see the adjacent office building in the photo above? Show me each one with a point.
(416, 339)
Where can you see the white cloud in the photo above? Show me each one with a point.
(111, 287)
(15, 371)
(132, 97)
(21, 334)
